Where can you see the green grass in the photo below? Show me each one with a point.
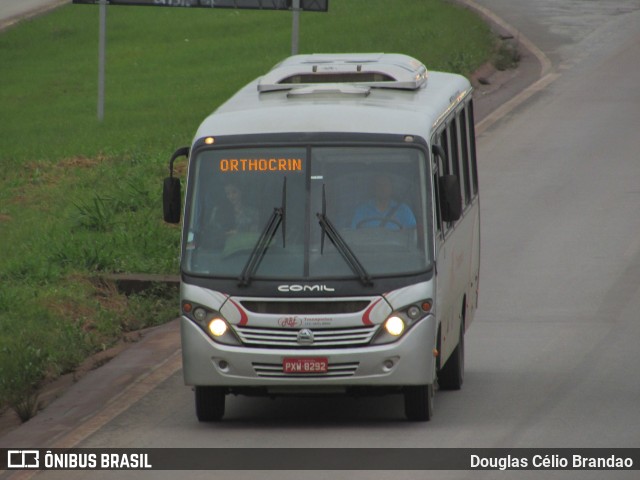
(79, 197)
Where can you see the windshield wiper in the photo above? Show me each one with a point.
(278, 216)
(343, 248)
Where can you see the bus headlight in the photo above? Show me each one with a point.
(200, 314)
(211, 322)
(414, 312)
(394, 326)
(218, 327)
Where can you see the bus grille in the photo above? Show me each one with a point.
(305, 307)
(274, 370)
(322, 338)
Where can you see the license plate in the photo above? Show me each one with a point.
(305, 365)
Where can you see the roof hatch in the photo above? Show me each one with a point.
(378, 70)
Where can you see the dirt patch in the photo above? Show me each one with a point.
(80, 162)
(482, 76)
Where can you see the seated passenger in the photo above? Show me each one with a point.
(230, 218)
(244, 217)
(381, 210)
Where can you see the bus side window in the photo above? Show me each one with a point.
(473, 167)
(450, 163)
(465, 181)
(441, 166)
(445, 167)
(454, 156)
(437, 204)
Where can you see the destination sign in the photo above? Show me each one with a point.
(307, 5)
(260, 165)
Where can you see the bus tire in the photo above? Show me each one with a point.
(451, 376)
(210, 402)
(418, 402)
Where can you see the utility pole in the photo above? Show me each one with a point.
(295, 27)
(102, 54)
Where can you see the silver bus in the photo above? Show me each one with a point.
(331, 234)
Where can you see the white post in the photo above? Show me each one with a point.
(102, 47)
(295, 28)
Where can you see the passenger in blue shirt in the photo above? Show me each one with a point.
(382, 211)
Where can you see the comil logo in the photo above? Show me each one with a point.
(305, 288)
(23, 459)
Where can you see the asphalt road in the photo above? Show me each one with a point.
(552, 355)
(12, 11)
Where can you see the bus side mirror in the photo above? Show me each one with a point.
(439, 151)
(171, 191)
(171, 200)
(450, 198)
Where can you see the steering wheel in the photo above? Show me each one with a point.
(383, 222)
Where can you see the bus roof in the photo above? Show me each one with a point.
(356, 93)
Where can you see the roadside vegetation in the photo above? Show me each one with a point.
(80, 199)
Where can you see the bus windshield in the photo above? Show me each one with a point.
(308, 213)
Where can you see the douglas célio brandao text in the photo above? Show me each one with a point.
(550, 462)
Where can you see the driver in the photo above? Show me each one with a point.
(381, 210)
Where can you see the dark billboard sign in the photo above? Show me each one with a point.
(307, 5)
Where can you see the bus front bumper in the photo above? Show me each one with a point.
(408, 361)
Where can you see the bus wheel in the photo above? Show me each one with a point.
(210, 403)
(451, 375)
(418, 402)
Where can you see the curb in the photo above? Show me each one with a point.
(521, 91)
